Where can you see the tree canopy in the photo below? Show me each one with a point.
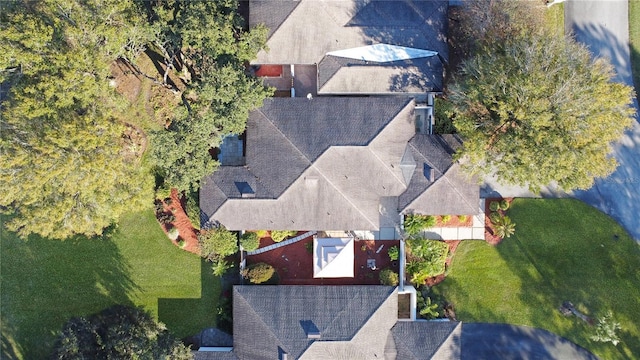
(66, 168)
(119, 332)
(537, 110)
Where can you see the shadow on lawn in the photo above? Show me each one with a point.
(182, 314)
(580, 256)
(46, 282)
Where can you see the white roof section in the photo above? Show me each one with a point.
(333, 257)
(382, 53)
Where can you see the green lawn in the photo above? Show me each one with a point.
(562, 250)
(554, 19)
(45, 282)
(634, 39)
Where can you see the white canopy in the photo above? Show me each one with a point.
(382, 53)
(333, 257)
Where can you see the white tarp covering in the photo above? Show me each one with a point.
(382, 53)
(333, 257)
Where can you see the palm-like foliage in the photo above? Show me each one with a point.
(504, 227)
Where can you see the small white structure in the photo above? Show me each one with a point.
(333, 257)
(383, 53)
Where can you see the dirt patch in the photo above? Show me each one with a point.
(126, 82)
(134, 142)
(489, 229)
(188, 234)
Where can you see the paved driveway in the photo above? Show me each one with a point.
(501, 341)
(604, 27)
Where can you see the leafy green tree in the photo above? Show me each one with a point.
(119, 332)
(216, 243)
(606, 330)
(538, 110)
(65, 169)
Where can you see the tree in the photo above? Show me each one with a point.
(119, 332)
(65, 169)
(538, 109)
(217, 243)
(606, 329)
(206, 40)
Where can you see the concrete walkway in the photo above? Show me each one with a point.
(604, 27)
(475, 232)
(282, 243)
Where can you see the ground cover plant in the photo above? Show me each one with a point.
(45, 283)
(563, 250)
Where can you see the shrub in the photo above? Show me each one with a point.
(389, 277)
(158, 207)
(606, 329)
(309, 247)
(394, 253)
(181, 243)
(220, 267)
(163, 192)
(494, 217)
(279, 235)
(173, 233)
(426, 307)
(250, 241)
(426, 259)
(414, 223)
(262, 233)
(494, 206)
(504, 227)
(259, 273)
(463, 218)
(504, 205)
(166, 218)
(445, 218)
(192, 208)
(218, 241)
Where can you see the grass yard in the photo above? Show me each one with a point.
(562, 250)
(45, 282)
(634, 39)
(554, 19)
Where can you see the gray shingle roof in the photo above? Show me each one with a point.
(450, 192)
(313, 28)
(418, 340)
(214, 355)
(271, 319)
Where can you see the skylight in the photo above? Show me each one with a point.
(382, 53)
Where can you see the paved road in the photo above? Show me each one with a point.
(604, 27)
(502, 341)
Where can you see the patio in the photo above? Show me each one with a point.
(294, 262)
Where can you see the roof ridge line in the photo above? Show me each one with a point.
(313, 165)
(444, 175)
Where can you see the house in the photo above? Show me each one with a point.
(337, 163)
(330, 322)
(357, 47)
(351, 146)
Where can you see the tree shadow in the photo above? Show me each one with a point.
(184, 315)
(46, 282)
(617, 195)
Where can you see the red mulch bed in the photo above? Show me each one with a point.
(294, 263)
(187, 233)
(454, 222)
(269, 71)
(489, 231)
